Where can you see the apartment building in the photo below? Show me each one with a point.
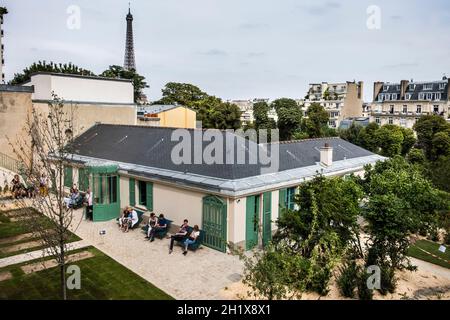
(405, 102)
(341, 100)
(246, 106)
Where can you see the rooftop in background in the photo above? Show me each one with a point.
(79, 88)
(148, 150)
(158, 108)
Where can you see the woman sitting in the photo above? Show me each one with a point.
(191, 238)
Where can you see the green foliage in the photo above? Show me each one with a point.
(347, 280)
(3, 11)
(401, 201)
(416, 156)
(119, 72)
(284, 103)
(211, 111)
(184, 94)
(389, 140)
(427, 127)
(289, 121)
(316, 124)
(43, 66)
(364, 293)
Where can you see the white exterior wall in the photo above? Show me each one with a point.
(236, 224)
(81, 89)
(178, 204)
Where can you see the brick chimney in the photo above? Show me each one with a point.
(403, 87)
(377, 87)
(326, 155)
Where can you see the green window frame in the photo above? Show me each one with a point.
(290, 198)
(142, 188)
(83, 179)
(68, 176)
(145, 194)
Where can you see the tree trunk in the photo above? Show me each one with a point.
(63, 282)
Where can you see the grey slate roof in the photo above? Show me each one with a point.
(152, 147)
(395, 88)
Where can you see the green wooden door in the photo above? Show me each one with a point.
(214, 223)
(106, 189)
(68, 176)
(149, 200)
(282, 193)
(267, 218)
(252, 222)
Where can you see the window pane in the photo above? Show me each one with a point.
(142, 193)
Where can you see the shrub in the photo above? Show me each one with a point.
(388, 281)
(347, 279)
(364, 293)
(447, 238)
(433, 235)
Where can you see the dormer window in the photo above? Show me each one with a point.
(388, 97)
(394, 96)
(408, 96)
(427, 86)
(437, 96)
(421, 96)
(442, 86)
(380, 97)
(412, 87)
(385, 88)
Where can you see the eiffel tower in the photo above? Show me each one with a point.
(129, 62)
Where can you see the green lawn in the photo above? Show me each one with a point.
(9, 229)
(431, 247)
(102, 278)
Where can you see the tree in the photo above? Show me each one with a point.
(49, 136)
(119, 72)
(390, 140)
(317, 122)
(284, 103)
(368, 139)
(215, 114)
(427, 127)
(321, 227)
(184, 94)
(289, 122)
(400, 202)
(43, 66)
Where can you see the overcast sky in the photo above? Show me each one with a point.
(238, 49)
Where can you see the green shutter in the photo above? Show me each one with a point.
(267, 218)
(149, 196)
(132, 188)
(281, 200)
(68, 176)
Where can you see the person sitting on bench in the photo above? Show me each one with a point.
(179, 235)
(191, 239)
(123, 220)
(152, 222)
(74, 194)
(160, 225)
(133, 218)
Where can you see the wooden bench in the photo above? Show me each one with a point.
(140, 214)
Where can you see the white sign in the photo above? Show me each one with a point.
(442, 249)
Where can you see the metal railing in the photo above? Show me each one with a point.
(9, 163)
